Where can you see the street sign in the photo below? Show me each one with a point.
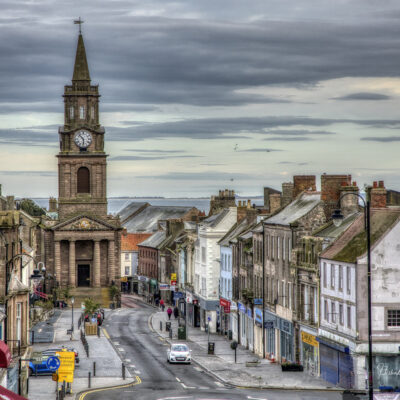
(53, 363)
(67, 366)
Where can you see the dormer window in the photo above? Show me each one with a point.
(82, 112)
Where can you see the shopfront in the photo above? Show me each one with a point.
(258, 331)
(142, 285)
(309, 354)
(242, 324)
(225, 310)
(286, 340)
(386, 371)
(336, 363)
(250, 328)
(270, 324)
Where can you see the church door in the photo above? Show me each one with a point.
(83, 275)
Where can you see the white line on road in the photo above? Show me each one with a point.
(121, 349)
(40, 330)
(198, 369)
(219, 384)
(127, 360)
(137, 372)
(132, 366)
(116, 343)
(256, 398)
(177, 379)
(187, 387)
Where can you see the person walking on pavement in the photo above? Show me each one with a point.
(169, 312)
(176, 312)
(162, 305)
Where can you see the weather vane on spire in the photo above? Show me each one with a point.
(79, 22)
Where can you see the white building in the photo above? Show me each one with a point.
(207, 267)
(343, 332)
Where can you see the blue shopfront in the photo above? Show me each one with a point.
(286, 338)
(336, 363)
(270, 323)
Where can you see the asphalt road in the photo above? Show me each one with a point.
(145, 355)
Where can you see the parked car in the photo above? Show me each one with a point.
(179, 353)
(38, 363)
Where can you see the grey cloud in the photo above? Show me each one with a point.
(148, 158)
(207, 175)
(383, 139)
(29, 173)
(363, 96)
(293, 163)
(155, 151)
(298, 132)
(258, 150)
(288, 139)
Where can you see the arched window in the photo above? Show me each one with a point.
(92, 112)
(71, 112)
(82, 112)
(83, 180)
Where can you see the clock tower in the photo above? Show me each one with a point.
(81, 159)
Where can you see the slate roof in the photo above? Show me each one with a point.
(155, 240)
(296, 209)
(131, 209)
(234, 232)
(130, 241)
(147, 219)
(330, 232)
(215, 219)
(353, 242)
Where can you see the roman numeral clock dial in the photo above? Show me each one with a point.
(83, 139)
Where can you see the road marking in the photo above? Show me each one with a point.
(137, 372)
(127, 360)
(187, 387)
(219, 384)
(106, 334)
(40, 330)
(256, 398)
(138, 382)
(198, 369)
(175, 398)
(177, 379)
(132, 366)
(121, 349)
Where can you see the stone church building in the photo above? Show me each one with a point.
(82, 245)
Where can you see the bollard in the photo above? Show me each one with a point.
(94, 368)
(98, 331)
(170, 333)
(123, 371)
(33, 337)
(160, 325)
(89, 383)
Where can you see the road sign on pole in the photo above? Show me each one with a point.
(53, 363)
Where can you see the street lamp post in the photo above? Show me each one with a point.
(337, 219)
(72, 322)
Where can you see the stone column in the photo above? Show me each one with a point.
(57, 260)
(72, 266)
(96, 261)
(111, 262)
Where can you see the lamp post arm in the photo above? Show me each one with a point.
(364, 202)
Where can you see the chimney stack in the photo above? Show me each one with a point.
(330, 191)
(377, 195)
(302, 183)
(287, 193)
(275, 202)
(349, 204)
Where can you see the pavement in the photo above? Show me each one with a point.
(265, 375)
(101, 351)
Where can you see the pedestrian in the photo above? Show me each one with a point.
(162, 304)
(169, 312)
(176, 312)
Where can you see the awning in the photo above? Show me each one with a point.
(6, 394)
(5, 355)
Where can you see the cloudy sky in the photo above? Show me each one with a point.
(203, 95)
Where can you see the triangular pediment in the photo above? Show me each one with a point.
(84, 223)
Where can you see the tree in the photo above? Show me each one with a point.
(31, 208)
(90, 306)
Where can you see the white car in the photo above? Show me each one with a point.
(179, 353)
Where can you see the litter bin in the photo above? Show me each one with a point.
(211, 347)
(168, 326)
(230, 334)
(182, 333)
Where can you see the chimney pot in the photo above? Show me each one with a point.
(354, 183)
(375, 184)
(381, 184)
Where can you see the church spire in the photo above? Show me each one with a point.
(81, 69)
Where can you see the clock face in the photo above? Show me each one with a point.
(83, 139)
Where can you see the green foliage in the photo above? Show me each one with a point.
(114, 292)
(45, 304)
(90, 305)
(31, 208)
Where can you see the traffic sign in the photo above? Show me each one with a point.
(66, 370)
(53, 363)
